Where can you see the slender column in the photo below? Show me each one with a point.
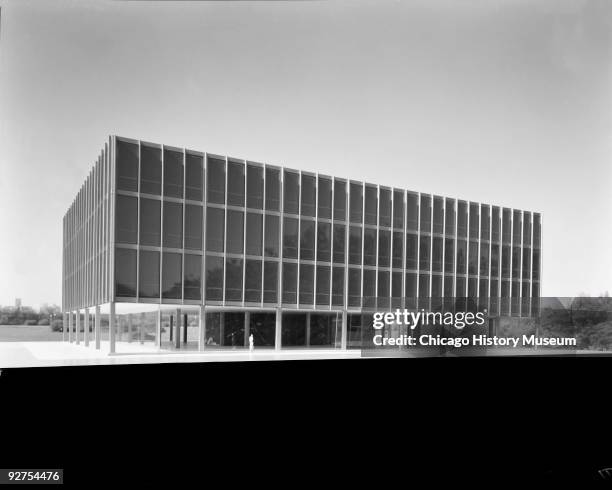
(177, 337)
(247, 327)
(86, 328)
(344, 330)
(278, 332)
(129, 332)
(202, 329)
(97, 327)
(171, 327)
(64, 322)
(307, 329)
(141, 330)
(185, 323)
(70, 326)
(78, 327)
(158, 322)
(111, 328)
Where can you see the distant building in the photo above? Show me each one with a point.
(17, 303)
(293, 257)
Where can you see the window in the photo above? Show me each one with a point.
(484, 260)
(473, 258)
(252, 281)
(214, 278)
(460, 293)
(307, 240)
(371, 204)
(355, 245)
(150, 170)
(438, 215)
(484, 222)
(173, 225)
(290, 238)
(411, 289)
(354, 286)
(235, 232)
(339, 200)
(215, 171)
(425, 213)
(449, 255)
(384, 248)
(423, 286)
(526, 229)
(495, 224)
(516, 262)
(396, 287)
(127, 166)
(438, 245)
(254, 233)
(526, 263)
(308, 195)
(255, 186)
(306, 284)
(472, 285)
(126, 225)
(173, 173)
(436, 286)
(235, 184)
(150, 222)
(474, 224)
(148, 283)
(339, 241)
(272, 189)
(398, 209)
(193, 177)
(270, 281)
(494, 260)
(356, 203)
(516, 228)
(369, 288)
(233, 279)
(411, 251)
(271, 245)
(171, 276)
(125, 272)
(461, 257)
(192, 281)
(536, 230)
(449, 217)
(193, 227)
(323, 279)
(385, 207)
(324, 242)
(506, 261)
(325, 195)
(289, 283)
(506, 230)
(397, 249)
(369, 246)
(215, 223)
(412, 212)
(383, 288)
(424, 250)
(462, 219)
(291, 192)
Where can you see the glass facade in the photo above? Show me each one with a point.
(162, 224)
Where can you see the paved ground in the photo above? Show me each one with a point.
(43, 354)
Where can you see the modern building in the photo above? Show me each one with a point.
(229, 248)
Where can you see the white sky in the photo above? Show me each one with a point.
(503, 102)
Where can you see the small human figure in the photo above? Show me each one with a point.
(251, 342)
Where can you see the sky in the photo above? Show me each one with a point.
(501, 102)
